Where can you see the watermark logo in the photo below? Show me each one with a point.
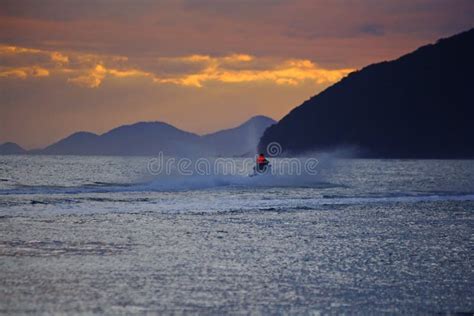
(203, 166)
(274, 149)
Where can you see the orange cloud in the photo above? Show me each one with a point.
(6, 49)
(59, 58)
(90, 70)
(92, 79)
(291, 72)
(94, 76)
(24, 72)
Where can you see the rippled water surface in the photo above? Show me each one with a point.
(101, 235)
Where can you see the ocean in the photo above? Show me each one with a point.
(110, 235)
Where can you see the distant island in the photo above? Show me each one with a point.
(418, 106)
(10, 148)
(151, 138)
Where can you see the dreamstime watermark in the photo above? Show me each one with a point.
(279, 166)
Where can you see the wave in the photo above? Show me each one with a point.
(173, 183)
(257, 197)
(399, 198)
(217, 203)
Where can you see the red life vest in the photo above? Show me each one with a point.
(261, 159)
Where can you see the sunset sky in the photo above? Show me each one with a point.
(200, 65)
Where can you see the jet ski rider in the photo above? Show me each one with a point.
(262, 162)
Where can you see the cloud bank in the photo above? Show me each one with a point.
(90, 70)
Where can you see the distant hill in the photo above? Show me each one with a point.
(143, 138)
(151, 138)
(418, 106)
(11, 149)
(238, 141)
(75, 144)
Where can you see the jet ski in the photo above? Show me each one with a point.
(265, 170)
(262, 166)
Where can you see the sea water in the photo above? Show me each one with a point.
(103, 235)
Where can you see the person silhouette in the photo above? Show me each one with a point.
(262, 162)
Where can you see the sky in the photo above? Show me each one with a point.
(200, 65)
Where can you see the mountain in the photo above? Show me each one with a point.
(143, 138)
(240, 140)
(418, 106)
(11, 149)
(75, 144)
(151, 138)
